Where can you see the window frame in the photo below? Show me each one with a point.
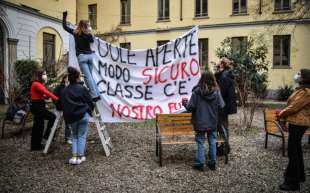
(201, 63)
(245, 38)
(164, 17)
(282, 7)
(201, 14)
(239, 8)
(125, 45)
(281, 38)
(93, 15)
(50, 67)
(127, 14)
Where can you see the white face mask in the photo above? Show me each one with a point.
(44, 77)
(297, 77)
(89, 28)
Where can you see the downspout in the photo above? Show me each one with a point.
(260, 7)
(181, 10)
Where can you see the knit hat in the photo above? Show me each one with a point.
(305, 75)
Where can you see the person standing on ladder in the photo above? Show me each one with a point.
(83, 39)
(77, 107)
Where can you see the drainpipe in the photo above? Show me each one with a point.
(260, 7)
(181, 10)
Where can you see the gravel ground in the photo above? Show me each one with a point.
(132, 166)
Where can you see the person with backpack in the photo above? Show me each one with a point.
(39, 94)
(205, 102)
(77, 107)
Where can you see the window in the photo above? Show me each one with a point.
(49, 52)
(161, 42)
(125, 45)
(282, 5)
(92, 15)
(239, 45)
(125, 11)
(163, 9)
(201, 8)
(203, 52)
(281, 50)
(239, 6)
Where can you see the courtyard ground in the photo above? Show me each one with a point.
(132, 166)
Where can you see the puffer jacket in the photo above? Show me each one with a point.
(297, 111)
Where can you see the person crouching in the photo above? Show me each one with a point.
(77, 107)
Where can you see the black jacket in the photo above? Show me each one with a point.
(205, 109)
(225, 79)
(82, 42)
(59, 92)
(76, 101)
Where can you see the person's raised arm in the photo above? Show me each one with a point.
(64, 22)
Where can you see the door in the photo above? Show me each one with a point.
(2, 78)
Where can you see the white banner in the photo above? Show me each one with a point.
(138, 84)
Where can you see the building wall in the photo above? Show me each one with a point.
(53, 8)
(144, 30)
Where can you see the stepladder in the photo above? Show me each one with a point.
(99, 124)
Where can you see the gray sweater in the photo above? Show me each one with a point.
(205, 109)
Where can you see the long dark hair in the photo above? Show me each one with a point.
(38, 75)
(73, 75)
(82, 27)
(207, 83)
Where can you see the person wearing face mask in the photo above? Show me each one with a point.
(83, 39)
(297, 114)
(38, 94)
(59, 106)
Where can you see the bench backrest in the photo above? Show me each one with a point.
(175, 124)
(270, 118)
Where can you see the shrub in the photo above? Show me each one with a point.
(25, 70)
(284, 92)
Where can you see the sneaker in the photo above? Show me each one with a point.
(69, 141)
(74, 161)
(96, 99)
(43, 142)
(82, 159)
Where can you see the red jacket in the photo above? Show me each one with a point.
(39, 92)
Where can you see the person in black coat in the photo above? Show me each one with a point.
(225, 80)
(59, 107)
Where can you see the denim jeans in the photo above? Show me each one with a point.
(86, 63)
(79, 135)
(200, 141)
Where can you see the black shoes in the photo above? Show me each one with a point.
(39, 148)
(198, 167)
(212, 166)
(289, 187)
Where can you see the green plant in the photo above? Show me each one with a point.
(25, 69)
(250, 67)
(284, 92)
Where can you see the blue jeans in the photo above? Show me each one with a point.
(86, 63)
(200, 141)
(79, 135)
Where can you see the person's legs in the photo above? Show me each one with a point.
(84, 63)
(74, 128)
(295, 170)
(68, 135)
(51, 117)
(212, 147)
(38, 125)
(200, 153)
(91, 64)
(82, 135)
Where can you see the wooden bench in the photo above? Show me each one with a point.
(178, 129)
(273, 128)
